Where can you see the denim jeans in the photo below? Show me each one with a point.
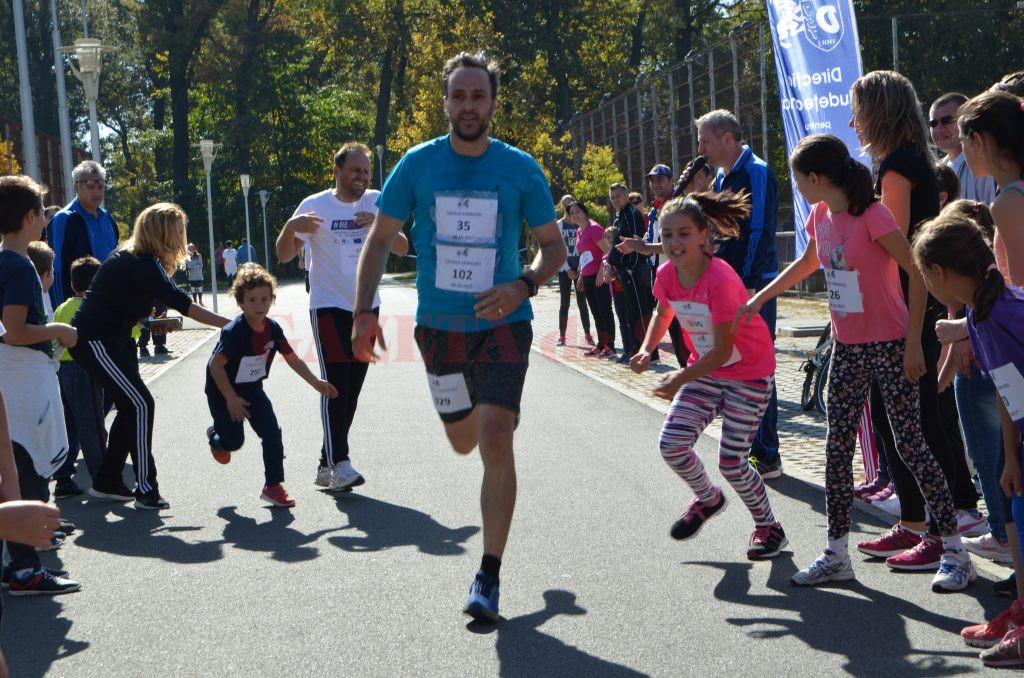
(766, 442)
(229, 435)
(979, 419)
(83, 415)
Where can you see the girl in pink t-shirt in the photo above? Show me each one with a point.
(860, 245)
(592, 246)
(729, 371)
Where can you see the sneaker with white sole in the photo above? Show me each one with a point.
(345, 477)
(988, 546)
(890, 505)
(990, 633)
(956, 571)
(971, 523)
(828, 567)
(892, 543)
(927, 555)
(323, 476)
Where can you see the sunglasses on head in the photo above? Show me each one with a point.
(944, 120)
(92, 183)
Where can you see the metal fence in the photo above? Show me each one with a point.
(653, 122)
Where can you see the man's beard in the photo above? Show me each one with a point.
(483, 124)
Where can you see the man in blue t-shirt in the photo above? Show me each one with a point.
(469, 195)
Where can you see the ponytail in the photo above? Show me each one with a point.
(719, 212)
(827, 156)
(954, 242)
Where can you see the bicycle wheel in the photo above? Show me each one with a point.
(821, 382)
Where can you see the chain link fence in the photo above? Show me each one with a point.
(653, 122)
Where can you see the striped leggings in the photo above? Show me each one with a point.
(742, 404)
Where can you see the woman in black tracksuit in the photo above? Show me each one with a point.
(121, 295)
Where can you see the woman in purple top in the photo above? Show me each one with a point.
(959, 267)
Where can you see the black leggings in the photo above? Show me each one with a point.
(332, 331)
(600, 300)
(947, 449)
(565, 287)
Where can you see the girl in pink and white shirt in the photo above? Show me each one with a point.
(729, 370)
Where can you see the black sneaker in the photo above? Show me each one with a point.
(116, 492)
(696, 515)
(767, 469)
(766, 542)
(151, 501)
(66, 526)
(41, 582)
(161, 350)
(143, 352)
(1007, 587)
(6, 572)
(66, 487)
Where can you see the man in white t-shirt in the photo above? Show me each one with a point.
(230, 261)
(332, 226)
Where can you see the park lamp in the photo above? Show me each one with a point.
(88, 52)
(246, 182)
(208, 150)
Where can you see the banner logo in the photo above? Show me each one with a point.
(819, 21)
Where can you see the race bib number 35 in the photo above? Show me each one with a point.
(464, 269)
(466, 220)
(449, 392)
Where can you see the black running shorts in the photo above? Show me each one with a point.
(492, 364)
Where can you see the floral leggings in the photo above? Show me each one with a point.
(742, 404)
(853, 368)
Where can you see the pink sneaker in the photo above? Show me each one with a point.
(987, 635)
(867, 489)
(881, 495)
(892, 543)
(924, 556)
(590, 340)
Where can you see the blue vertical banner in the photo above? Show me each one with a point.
(817, 59)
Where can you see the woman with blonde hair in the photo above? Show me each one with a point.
(890, 124)
(120, 297)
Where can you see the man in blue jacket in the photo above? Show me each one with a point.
(752, 255)
(82, 228)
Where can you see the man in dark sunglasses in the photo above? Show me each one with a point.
(82, 228)
(946, 135)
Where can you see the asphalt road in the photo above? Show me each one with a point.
(372, 583)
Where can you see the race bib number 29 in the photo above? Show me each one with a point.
(449, 392)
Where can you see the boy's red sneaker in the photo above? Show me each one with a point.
(277, 495)
(219, 456)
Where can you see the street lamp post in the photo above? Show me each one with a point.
(246, 181)
(380, 164)
(264, 194)
(208, 150)
(89, 52)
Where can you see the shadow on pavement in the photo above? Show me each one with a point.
(137, 534)
(390, 525)
(282, 542)
(523, 650)
(40, 636)
(868, 628)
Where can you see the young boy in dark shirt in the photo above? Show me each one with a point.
(234, 379)
(28, 380)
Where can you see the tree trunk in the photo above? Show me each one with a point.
(684, 36)
(636, 33)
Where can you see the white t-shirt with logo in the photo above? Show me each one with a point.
(335, 247)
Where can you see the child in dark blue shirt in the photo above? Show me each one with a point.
(234, 379)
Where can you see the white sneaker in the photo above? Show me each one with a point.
(971, 523)
(828, 567)
(890, 505)
(323, 476)
(956, 571)
(987, 546)
(345, 477)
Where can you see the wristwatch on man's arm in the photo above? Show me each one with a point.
(531, 286)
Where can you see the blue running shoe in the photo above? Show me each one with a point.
(482, 604)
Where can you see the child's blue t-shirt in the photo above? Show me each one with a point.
(249, 354)
(504, 178)
(999, 349)
(20, 286)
